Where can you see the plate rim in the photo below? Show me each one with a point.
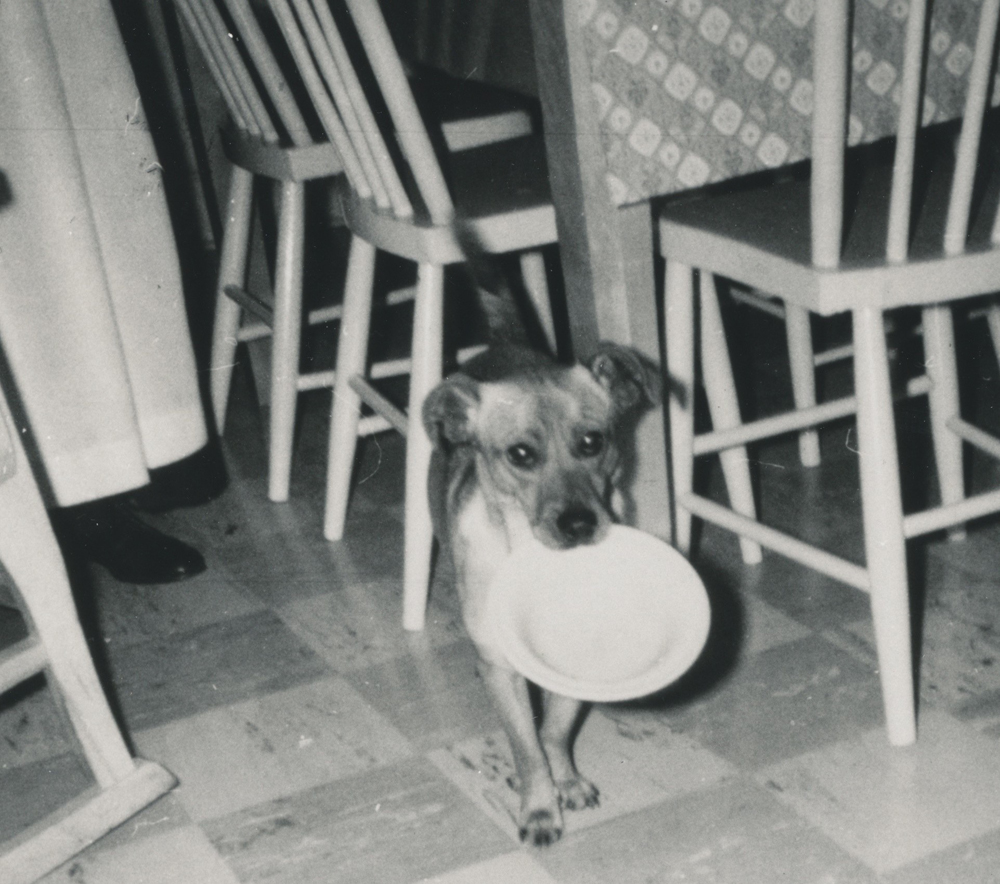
(645, 683)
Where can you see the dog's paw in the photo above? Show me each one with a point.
(578, 793)
(541, 827)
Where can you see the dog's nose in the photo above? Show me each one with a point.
(577, 525)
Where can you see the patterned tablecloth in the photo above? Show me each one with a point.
(695, 91)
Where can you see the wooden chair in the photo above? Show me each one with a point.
(501, 189)
(794, 241)
(56, 647)
(805, 361)
(276, 139)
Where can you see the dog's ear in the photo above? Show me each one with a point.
(632, 379)
(449, 410)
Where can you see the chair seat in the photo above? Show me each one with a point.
(502, 189)
(760, 235)
(471, 113)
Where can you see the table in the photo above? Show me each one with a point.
(691, 92)
(654, 97)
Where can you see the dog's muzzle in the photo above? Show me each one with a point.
(577, 525)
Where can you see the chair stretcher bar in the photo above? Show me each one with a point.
(797, 550)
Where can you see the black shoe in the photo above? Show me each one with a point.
(107, 532)
(193, 481)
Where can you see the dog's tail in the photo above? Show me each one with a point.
(508, 310)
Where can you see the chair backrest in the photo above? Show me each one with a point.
(315, 41)
(240, 39)
(831, 70)
(252, 84)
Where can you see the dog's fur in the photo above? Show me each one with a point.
(526, 446)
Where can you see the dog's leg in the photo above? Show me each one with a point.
(559, 727)
(540, 820)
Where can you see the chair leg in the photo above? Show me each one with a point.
(32, 558)
(536, 283)
(352, 356)
(939, 356)
(232, 271)
(34, 562)
(425, 375)
(800, 354)
(885, 546)
(29, 553)
(993, 319)
(679, 336)
(720, 388)
(286, 336)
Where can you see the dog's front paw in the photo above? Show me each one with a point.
(578, 793)
(541, 827)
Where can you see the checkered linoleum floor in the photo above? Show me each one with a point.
(315, 741)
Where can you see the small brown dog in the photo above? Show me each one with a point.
(526, 446)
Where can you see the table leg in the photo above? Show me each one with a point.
(607, 253)
(633, 320)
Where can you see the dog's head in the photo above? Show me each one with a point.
(548, 438)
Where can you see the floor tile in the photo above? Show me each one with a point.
(32, 791)
(268, 747)
(507, 869)
(394, 825)
(972, 862)
(434, 698)
(373, 542)
(827, 500)
(959, 644)
(285, 572)
(961, 636)
(177, 855)
(806, 596)
(978, 554)
(360, 625)
(31, 726)
(982, 712)
(131, 615)
(272, 551)
(633, 766)
(857, 639)
(767, 627)
(221, 663)
(890, 806)
(780, 703)
(734, 833)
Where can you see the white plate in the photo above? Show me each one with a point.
(611, 621)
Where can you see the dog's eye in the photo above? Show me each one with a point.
(591, 444)
(522, 456)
